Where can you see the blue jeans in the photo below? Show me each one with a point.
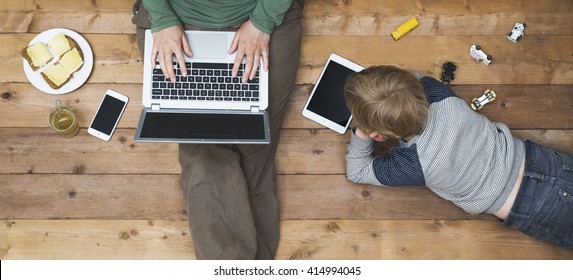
(544, 205)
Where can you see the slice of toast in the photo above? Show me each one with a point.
(59, 44)
(62, 43)
(72, 60)
(37, 55)
(60, 72)
(56, 75)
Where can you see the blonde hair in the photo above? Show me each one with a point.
(387, 100)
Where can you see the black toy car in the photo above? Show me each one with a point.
(449, 72)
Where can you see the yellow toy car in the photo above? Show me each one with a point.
(404, 28)
(487, 97)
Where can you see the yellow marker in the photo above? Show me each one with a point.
(404, 28)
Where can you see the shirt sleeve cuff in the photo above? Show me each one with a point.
(159, 27)
(359, 143)
(266, 28)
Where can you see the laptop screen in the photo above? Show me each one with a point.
(173, 125)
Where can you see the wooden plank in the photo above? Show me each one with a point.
(308, 197)
(103, 197)
(103, 239)
(320, 17)
(529, 62)
(83, 21)
(116, 58)
(384, 239)
(158, 197)
(65, 5)
(24, 106)
(514, 107)
(393, 7)
(318, 239)
(345, 23)
(525, 107)
(40, 151)
(331, 6)
(538, 60)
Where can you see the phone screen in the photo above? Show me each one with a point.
(108, 114)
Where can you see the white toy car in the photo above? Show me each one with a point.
(479, 55)
(517, 32)
(487, 97)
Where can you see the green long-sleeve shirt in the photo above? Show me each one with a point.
(264, 14)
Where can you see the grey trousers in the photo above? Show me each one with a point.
(229, 190)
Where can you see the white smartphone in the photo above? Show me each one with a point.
(108, 115)
(326, 104)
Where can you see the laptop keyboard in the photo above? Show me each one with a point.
(205, 82)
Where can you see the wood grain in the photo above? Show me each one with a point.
(40, 151)
(24, 106)
(350, 17)
(82, 198)
(547, 57)
(318, 239)
(157, 197)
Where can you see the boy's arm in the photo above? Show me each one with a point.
(400, 168)
(435, 90)
(359, 161)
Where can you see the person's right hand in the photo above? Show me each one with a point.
(166, 43)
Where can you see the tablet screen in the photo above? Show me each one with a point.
(328, 98)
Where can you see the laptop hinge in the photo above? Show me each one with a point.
(155, 107)
(254, 109)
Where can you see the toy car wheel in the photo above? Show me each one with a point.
(489, 57)
(478, 47)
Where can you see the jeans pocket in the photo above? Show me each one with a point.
(557, 226)
(567, 167)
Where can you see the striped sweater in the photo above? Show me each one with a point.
(460, 155)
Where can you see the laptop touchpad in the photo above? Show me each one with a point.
(208, 46)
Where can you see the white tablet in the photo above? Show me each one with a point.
(326, 104)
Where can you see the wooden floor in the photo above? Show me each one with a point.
(82, 198)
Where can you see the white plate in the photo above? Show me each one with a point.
(79, 78)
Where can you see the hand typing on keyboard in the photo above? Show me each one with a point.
(205, 82)
(166, 43)
(248, 42)
(252, 43)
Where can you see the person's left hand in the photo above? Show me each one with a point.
(252, 43)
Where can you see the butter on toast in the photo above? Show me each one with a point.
(56, 75)
(69, 58)
(61, 44)
(72, 60)
(37, 55)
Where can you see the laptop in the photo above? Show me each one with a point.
(208, 105)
